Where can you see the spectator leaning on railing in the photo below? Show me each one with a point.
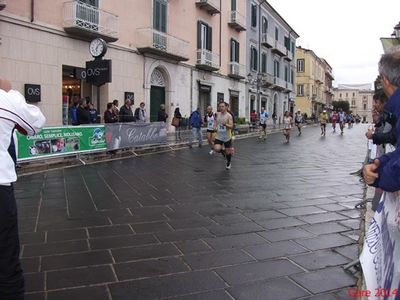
(384, 172)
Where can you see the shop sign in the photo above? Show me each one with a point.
(130, 96)
(98, 71)
(32, 92)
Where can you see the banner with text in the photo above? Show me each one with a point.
(130, 135)
(61, 141)
(381, 252)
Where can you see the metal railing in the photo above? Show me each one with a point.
(279, 82)
(267, 79)
(157, 40)
(280, 47)
(236, 69)
(207, 58)
(212, 3)
(267, 39)
(89, 18)
(289, 86)
(237, 18)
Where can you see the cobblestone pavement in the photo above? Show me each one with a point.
(278, 225)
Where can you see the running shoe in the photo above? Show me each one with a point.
(211, 152)
(228, 165)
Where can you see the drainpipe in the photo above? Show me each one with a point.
(220, 32)
(32, 10)
(191, 91)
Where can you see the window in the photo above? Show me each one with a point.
(204, 36)
(233, 5)
(253, 59)
(353, 102)
(264, 25)
(94, 3)
(234, 51)
(354, 94)
(365, 106)
(160, 15)
(287, 43)
(286, 74)
(276, 34)
(300, 65)
(253, 15)
(300, 89)
(220, 97)
(347, 95)
(293, 48)
(291, 76)
(276, 68)
(264, 63)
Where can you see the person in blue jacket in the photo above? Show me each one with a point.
(384, 172)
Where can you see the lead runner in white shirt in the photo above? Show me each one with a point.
(27, 119)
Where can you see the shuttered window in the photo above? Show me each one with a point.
(204, 36)
(253, 15)
(234, 51)
(160, 15)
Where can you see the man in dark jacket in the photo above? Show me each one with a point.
(82, 113)
(126, 113)
(109, 115)
(162, 116)
(195, 122)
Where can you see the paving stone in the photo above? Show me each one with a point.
(151, 227)
(324, 280)
(54, 248)
(145, 252)
(277, 249)
(231, 219)
(333, 207)
(183, 235)
(351, 213)
(32, 238)
(319, 260)
(325, 241)
(354, 235)
(301, 211)
(79, 277)
(190, 223)
(166, 286)
(30, 265)
(322, 218)
(325, 297)
(221, 230)
(285, 234)
(92, 293)
(325, 228)
(277, 289)
(74, 260)
(350, 251)
(352, 223)
(257, 271)
(214, 295)
(63, 223)
(188, 247)
(149, 268)
(66, 235)
(281, 223)
(122, 241)
(264, 215)
(235, 241)
(35, 296)
(216, 259)
(34, 282)
(114, 230)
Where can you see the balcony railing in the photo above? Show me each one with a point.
(267, 40)
(279, 83)
(206, 60)
(237, 21)
(289, 87)
(236, 70)
(289, 55)
(211, 6)
(267, 80)
(279, 49)
(89, 21)
(161, 44)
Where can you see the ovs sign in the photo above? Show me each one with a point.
(98, 72)
(33, 92)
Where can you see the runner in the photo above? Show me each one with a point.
(287, 125)
(209, 119)
(324, 118)
(224, 125)
(298, 121)
(334, 119)
(263, 124)
(342, 120)
(350, 120)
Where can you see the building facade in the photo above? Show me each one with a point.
(185, 54)
(359, 97)
(314, 82)
(270, 61)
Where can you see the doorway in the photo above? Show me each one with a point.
(157, 97)
(234, 105)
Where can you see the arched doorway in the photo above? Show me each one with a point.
(157, 93)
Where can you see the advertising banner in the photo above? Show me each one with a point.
(59, 141)
(130, 135)
(381, 252)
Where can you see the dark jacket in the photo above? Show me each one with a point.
(110, 117)
(379, 138)
(162, 116)
(389, 167)
(126, 114)
(83, 116)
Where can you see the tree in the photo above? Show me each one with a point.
(344, 105)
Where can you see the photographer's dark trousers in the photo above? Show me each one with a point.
(11, 276)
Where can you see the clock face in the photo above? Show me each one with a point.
(97, 47)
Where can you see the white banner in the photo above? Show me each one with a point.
(380, 259)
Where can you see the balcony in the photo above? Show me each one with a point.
(267, 80)
(279, 49)
(89, 21)
(289, 55)
(279, 84)
(211, 6)
(289, 87)
(267, 40)
(206, 60)
(237, 21)
(159, 43)
(236, 70)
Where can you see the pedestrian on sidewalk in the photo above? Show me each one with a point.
(140, 113)
(83, 112)
(287, 125)
(162, 116)
(92, 113)
(195, 123)
(298, 120)
(109, 116)
(15, 113)
(209, 119)
(224, 126)
(253, 119)
(274, 117)
(176, 122)
(384, 172)
(116, 107)
(263, 124)
(323, 118)
(125, 113)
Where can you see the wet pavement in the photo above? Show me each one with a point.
(279, 225)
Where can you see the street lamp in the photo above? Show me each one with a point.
(256, 81)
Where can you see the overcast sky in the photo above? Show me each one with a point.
(344, 32)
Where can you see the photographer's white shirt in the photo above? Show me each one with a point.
(15, 113)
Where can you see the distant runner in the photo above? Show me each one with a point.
(323, 118)
(224, 125)
(287, 125)
(263, 124)
(342, 120)
(298, 121)
(209, 119)
(334, 119)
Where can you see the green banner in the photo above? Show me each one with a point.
(59, 141)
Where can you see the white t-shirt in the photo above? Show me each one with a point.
(263, 117)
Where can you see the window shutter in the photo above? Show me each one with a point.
(233, 5)
(255, 59)
(156, 15)
(237, 51)
(209, 38)
(232, 49)
(198, 35)
(163, 19)
(253, 15)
